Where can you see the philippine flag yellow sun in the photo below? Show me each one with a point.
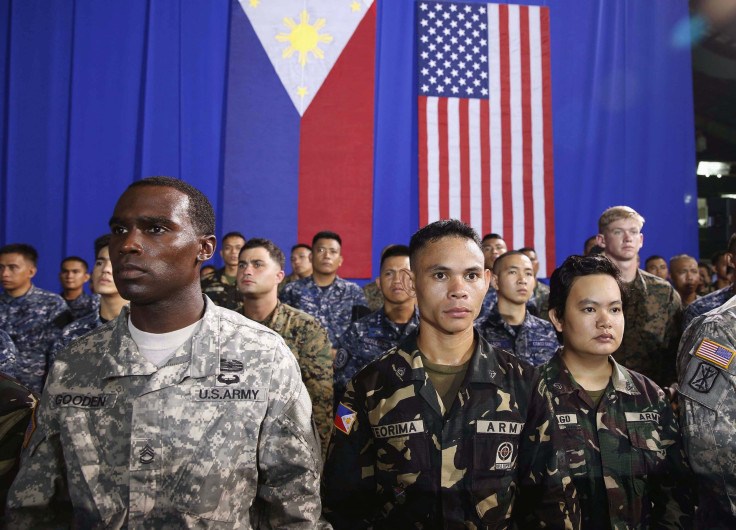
(304, 38)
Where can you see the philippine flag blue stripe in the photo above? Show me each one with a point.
(261, 169)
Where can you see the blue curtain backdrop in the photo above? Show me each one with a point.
(98, 94)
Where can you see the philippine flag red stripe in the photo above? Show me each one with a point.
(485, 137)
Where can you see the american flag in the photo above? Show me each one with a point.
(485, 121)
(715, 353)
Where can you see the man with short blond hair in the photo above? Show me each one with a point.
(654, 311)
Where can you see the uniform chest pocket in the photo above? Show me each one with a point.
(402, 448)
(647, 451)
(572, 439)
(493, 475)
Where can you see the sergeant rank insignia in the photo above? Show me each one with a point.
(715, 353)
(345, 418)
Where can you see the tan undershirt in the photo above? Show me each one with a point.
(446, 379)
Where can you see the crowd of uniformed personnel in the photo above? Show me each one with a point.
(457, 390)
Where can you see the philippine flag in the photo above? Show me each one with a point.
(344, 418)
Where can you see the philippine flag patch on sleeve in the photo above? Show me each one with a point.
(344, 418)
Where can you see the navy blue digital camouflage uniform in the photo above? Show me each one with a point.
(8, 354)
(491, 299)
(364, 341)
(30, 322)
(535, 343)
(705, 303)
(76, 329)
(332, 307)
(83, 305)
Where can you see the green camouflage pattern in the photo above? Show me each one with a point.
(632, 439)
(221, 291)
(221, 436)
(653, 318)
(374, 296)
(540, 297)
(707, 405)
(406, 462)
(308, 341)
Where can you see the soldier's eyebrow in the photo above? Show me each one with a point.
(158, 220)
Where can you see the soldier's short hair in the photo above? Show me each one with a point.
(200, 212)
(616, 213)
(27, 251)
(560, 283)
(679, 257)
(492, 235)
(301, 245)
(433, 232)
(76, 258)
(526, 249)
(102, 242)
(652, 258)
(326, 234)
(394, 251)
(718, 255)
(275, 252)
(233, 234)
(497, 263)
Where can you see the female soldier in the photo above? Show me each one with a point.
(614, 429)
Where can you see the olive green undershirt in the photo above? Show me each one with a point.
(445, 379)
(230, 280)
(596, 395)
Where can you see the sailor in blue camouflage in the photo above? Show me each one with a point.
(8, 354)
(491, 299)
(707, 406)
(73, 331)
(706, 303)
(29, 320)
(535, 342)
(366, 340)
(83, 305)
(333, 307)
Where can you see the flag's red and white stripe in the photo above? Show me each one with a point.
(489, 161)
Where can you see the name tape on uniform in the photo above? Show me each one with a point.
(398, 429)
(228, 394)
(567, 419)
(498, 427)
(85, 401)
(642, 416)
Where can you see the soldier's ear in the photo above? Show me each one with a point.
(494, 279)
(558, 323)
(206, 248)
(408, 282)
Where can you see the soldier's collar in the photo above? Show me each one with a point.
(621, 379)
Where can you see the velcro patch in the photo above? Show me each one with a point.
(84, 401)
(228, 394)
(498, 427)
(344, 418)
(398, 429)
(642, 416)
(715, 353)
(567, 419)
(704, 378)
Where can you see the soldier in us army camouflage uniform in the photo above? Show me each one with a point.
(8, 354)
(210, 429)
(32, 317)
(260, 269)
(422, 443)
(220, 285)
(708, 412)
(375, 334)
(324, 295)
(517, 331)
(615, 431)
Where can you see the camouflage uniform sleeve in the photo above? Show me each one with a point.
(288, 454)
(673, 497)
(8, 354)
(287, 296)
(345, 359)
(359, 296)
(316, 361)
(672, 334)
(349, 478)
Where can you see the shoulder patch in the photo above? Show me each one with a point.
(341, 358)
(715, 353)
(344, 418)
(704, 378)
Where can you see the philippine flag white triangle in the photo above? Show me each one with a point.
(303, 39)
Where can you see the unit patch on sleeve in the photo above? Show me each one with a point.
(704, 378)
(715, 353)
(344, 418)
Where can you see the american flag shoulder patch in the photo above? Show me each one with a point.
(344, 418)
(715, 353)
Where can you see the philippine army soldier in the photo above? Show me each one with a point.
(301, 264)
(540, 297)
(372, 335)
(260, 270)
(220, 286)
(31, 316)
(324, 295)
(8, 353)
(178, 413)
(654, 312)
(716, 298)
(74, 274)
(509, 325)
(441, 431)
(708, 412)
(614, 428)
